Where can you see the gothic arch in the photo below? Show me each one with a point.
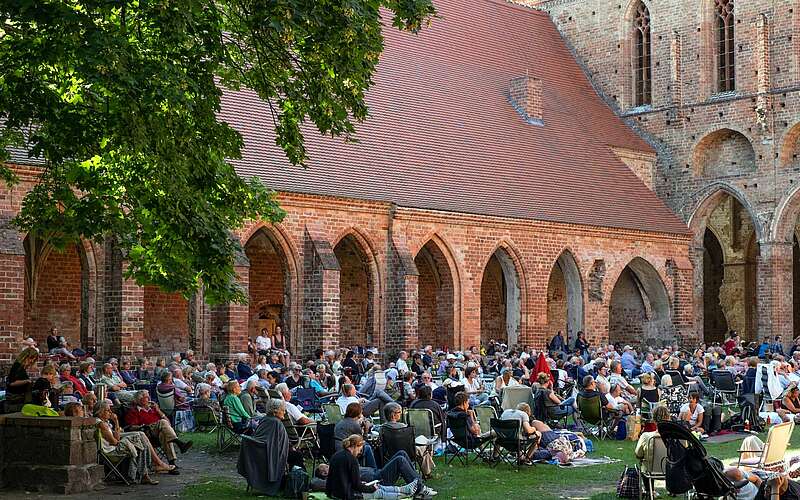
(790, 148)
(502, 294)
(628, 52)
(271, 306)
(639, 308)
(359, 310)
(786, 214)
(439, 293)
(712, 195)
(722, 153)
(565, 297)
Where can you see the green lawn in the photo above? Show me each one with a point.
(482, 481)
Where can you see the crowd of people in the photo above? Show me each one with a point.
(258, 388)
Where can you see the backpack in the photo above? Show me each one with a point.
(622, 430)
(297, 482)
(628, 485)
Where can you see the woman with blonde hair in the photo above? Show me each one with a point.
(18, 383)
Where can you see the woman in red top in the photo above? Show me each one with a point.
(65, 374)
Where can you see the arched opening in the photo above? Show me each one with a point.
(735, 232)
(57, 293)
(500, 299)
(639, 311)
(356, 294)
(435, 309)
(642, 79)
(269, 285)
(724, 153)
(715, 325)
(565, 298)
(796, 285)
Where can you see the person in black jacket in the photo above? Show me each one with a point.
(344, 478)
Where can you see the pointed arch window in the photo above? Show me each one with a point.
(643, 75)
(726, 55)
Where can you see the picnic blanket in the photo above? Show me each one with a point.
(586, 462)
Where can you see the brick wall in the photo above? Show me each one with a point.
(58, 298)
(628, 312)
(556, 303)
(166, 325)
(356, 293)
(268, 281)
(493, 302)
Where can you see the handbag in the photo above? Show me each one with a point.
(628, 485)
(634, 427)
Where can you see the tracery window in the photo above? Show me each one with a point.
(643, 76)
(726, 55)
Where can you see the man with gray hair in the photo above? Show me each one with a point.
(294, 412)
(147, 417)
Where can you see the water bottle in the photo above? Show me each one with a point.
(747, 425)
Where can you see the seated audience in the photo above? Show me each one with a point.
(166, 387)
(554, 404)
(692, 412)
(18, 384)
(243, 369)
(58, 345)
(40, 405)
(249, 396)
(353, 422)
(645, 445)
(203, 399)
(65, 374)
(85, 370)
(424, 401)
(295, 413)
(393, 414)
(147, 417)
(74, 410)
(473, 386)
(135, 446)
(238, 415)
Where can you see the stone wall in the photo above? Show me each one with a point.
(166, 324)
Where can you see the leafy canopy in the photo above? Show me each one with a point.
(119, 100)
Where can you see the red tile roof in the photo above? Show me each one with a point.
(442, 134)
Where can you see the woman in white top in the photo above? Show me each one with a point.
(505, 379)
(473, 386)
(692, 412)
(263, 343)
(262, 364)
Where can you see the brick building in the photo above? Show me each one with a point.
(492, 194)
(712, 86)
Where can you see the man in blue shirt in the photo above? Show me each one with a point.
(557, 344)
(647, 365)
(777, 347)
(763, 348)
(628, 361)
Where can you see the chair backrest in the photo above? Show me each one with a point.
(659, 459)
(291, 430)
(273, 394)
(333, 412)
(539, 405)
(676, 376)
(396, 439)
(307, 398)
(327, 440)
(452, 390)
(204, 416)
(514, 395)
(457, 424)
(649, 395)
(589, 408)
(421, 419)
(723, 380)
(166, 401)
(777, 442)
(485, 414)
(507, 432)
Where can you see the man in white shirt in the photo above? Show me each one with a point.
(263, 343)
(402, 365)
(618, 378)
(349, 396)
(179, 382)
(293, 411)
(619, 403)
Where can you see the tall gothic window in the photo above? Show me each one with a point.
(726, 55)
(642, 61)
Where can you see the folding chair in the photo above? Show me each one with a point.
(484, 415)
(463, 442)
(396, 439)
(113, 465)
(546, 413)
(308, 400)
(512, 396)
(205, 419)
(509, 444)
(652, 469)
(772, 458)
(327, 440)
(333, 413)
(226, 435)
(423, 423)
(302, 438)
(725, 387)
(676, 376)
(166, 401)
(591, 413)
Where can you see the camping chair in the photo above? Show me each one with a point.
(512, 396)
(484, 415)
(421, 419)
(327, 440)
(205, 419)
(166, 401)
(396, 439)
(302, 438)
(772, 455)
(591, 413)
(654, 468)
(226, 435)
(112, 465)
(308, 400)
(676, 376)
(725, 387)
(648, 401)
(546, 413)
(333, 412)
(463, 442)
(509, 444)
(689, 467)
(452, 390)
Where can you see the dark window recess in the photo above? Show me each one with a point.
(643, 74)
(726, 54)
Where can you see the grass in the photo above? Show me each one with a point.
(481, 481)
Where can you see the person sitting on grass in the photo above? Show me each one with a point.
(344, 477)
(133, 445)
(692, 413)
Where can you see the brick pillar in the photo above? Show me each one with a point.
(12, 294)
(764, 83)
(402, 314)
(676, 74)
(682, 273)
(320, 294)
(696, 257)
(229, 322)
(774, 292)
(124, 308)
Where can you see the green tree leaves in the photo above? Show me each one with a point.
(120, 101)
